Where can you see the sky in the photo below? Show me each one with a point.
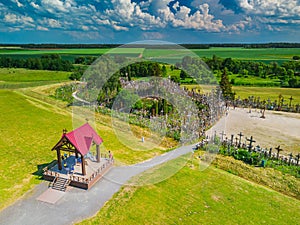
(126, 21)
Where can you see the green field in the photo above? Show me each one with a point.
(269, 92)
(266, 55)
(12, 78)
(263, 92)
(29, 128)
(194, 197)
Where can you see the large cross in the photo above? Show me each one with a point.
(241, 135)
(250, 143)
(278, 150)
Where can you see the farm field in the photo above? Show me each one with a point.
(266, 55)
(194, 197)
(70, 54)
(11, 78)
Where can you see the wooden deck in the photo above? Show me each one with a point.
(94, 172)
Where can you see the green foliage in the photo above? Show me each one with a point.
(45, 62)
(225, 86)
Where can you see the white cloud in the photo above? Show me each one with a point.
(13, 18)
(19, 4)
(42, 28)
(277, 8)
(34, 5)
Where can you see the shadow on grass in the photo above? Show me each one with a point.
(40, 169)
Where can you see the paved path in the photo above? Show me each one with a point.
(78, 204)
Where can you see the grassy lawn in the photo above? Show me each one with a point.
(193, 197)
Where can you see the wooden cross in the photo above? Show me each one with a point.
(241, 135)
(298, 157)
(231, 140)
(87, 120)
(65, 131)
(278, 150)
(291, 99)
(250, 143)
(290, 159)
(236, 141)
(270, 153)
(222, 135)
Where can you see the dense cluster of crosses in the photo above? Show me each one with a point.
(248, 144)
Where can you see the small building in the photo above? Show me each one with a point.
(76, 164)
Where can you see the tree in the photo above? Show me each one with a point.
(225, 86)
(183, 74)
(164, 70)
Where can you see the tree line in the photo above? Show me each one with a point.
(45, 62)
(185, 45)
(288, 72)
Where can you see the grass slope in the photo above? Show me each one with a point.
(193, 197)
(28, 129)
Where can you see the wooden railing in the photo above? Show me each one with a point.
(95, 174)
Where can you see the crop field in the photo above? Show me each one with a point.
(194, 197)
(265, 54)
(12, 78)
(70, 54)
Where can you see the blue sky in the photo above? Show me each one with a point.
(124, 21)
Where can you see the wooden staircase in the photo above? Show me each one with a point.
(60, 184)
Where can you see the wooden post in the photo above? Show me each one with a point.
(83, 165)
(98, 153)
(76, 154)
(58, 159)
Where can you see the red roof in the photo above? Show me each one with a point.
(83, 137)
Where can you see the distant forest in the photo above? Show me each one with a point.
(188, 46)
